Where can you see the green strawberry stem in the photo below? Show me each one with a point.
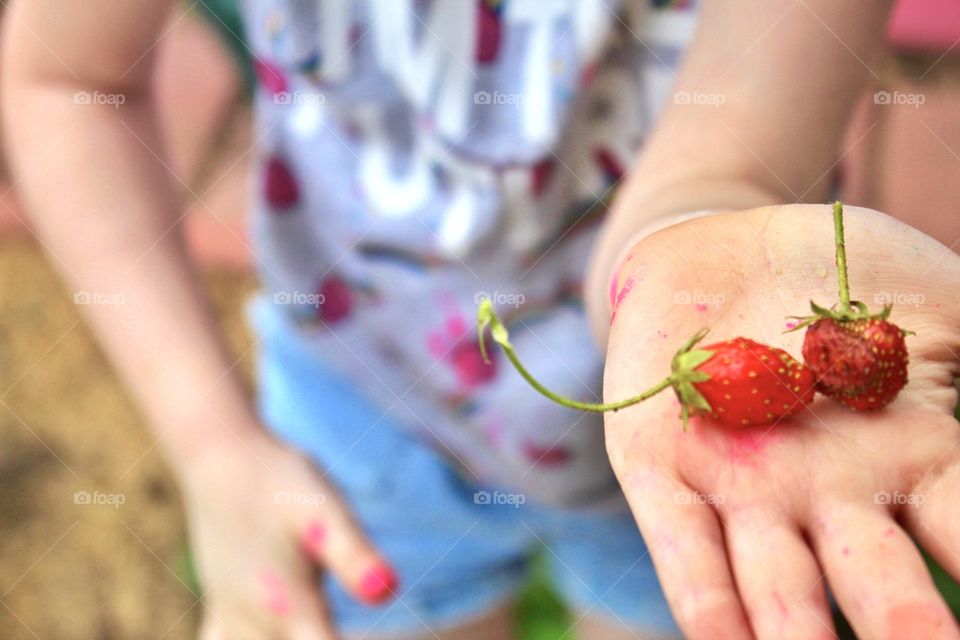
(486, 316)
(848, 310)
(841, 257)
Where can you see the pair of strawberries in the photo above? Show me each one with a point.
(850, 355)
(858, 361)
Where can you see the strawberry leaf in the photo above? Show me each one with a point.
(691, 398)
(821, 311)
(693, 340)
(690, 360)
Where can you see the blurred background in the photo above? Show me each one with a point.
(92, 541)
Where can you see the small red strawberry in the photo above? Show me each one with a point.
(861, 363)
(749, 383)
(737, 382)
(859, 359)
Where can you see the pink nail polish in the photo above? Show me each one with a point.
(377, 584)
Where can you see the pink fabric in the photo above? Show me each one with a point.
(927, 25)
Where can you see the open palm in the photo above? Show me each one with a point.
(747, 527)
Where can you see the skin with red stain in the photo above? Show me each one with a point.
(781, 605)
(314, 536)
(275, 592)
(914, 620)
(621, 295)
(740, 446)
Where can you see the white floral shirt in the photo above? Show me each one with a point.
(418, 155)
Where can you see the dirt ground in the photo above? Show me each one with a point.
(91, 535)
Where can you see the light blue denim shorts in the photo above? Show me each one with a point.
(459, 549)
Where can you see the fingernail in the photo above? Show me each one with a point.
(314, 536)
(377, 584)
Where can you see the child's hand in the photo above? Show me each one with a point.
(262, 525)
(743, 524)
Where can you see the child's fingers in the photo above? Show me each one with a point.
(336, 543)
(934, 520)
(778, 578)
(686, 544)
(878, 576)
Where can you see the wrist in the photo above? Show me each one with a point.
(642, 208)
(210, 446)
(219, 464)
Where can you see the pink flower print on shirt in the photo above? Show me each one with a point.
(489, 30)
(589, 74)
(461, 353)
(271, 77)
(610, 164)
(336, 301)
(494, 431)
(468, 363)
(554, 455)
(540, 175)
(280, 187)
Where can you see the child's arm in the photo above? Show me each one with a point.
(103, 199)
(788, 75)
(103, 202)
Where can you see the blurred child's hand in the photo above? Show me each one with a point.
(743, 524)
(263, 525)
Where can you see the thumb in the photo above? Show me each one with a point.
(335, 542)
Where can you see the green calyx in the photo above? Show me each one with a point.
(847, 310)
(684, 373)
(681, 378)
(856, 311)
